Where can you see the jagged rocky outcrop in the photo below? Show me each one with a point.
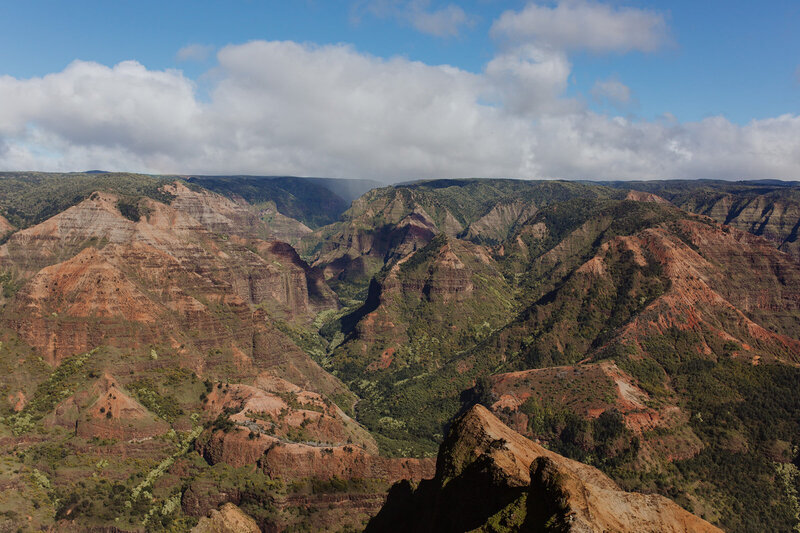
(490, 478)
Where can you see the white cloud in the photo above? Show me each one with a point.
(613, 92)
(287, 108)
(583, 24)
(530, 80)
(194, 52)
(446, 21)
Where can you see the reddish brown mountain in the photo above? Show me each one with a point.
(490, 478)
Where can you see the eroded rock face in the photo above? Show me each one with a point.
(96, 277)
(295, 434)
(296, 460)
(497, 224)
(214, 212)
(641, 196)
(487, 473)
(107, 411)
(228, 519)
(456, 285)
(774, 216)
(757, 287)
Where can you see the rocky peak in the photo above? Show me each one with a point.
(489, 477)
(228, 519)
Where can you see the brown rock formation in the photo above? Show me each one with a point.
(497, 224)
(723, 281)
(296, 434)
(228, 519)
(165, 279)
(487, 473)
(107, 411)
(277, 408)
(640, 196)
(774, 215)
(213, 211)
(296, 461)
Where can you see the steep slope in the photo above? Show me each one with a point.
(490, 478)
(770, 209)
(431, 304)
(313, 201)
(387, 224)
(107, 411)
(442, 360)
(229, 519)
(163, 280)
(430, 294)
(162, 355)
(113, 308)
(686, 274)
(5, 225)
(28, 198)
(496, 225)
(690, 312)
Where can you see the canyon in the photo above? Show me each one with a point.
(278, 354)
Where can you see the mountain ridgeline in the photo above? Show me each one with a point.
(225, 353)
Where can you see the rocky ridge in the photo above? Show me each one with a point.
(490, 478)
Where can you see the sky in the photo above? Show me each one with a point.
(403, 89)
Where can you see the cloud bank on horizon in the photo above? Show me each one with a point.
(282, 107)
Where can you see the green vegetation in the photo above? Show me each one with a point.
(132, 209)
(58, 386)
(164, 405)
(9, 285)
(604, 442)
(451, 344)
(420, 348)
(307, 200)
(469, 199)
(28, 198)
